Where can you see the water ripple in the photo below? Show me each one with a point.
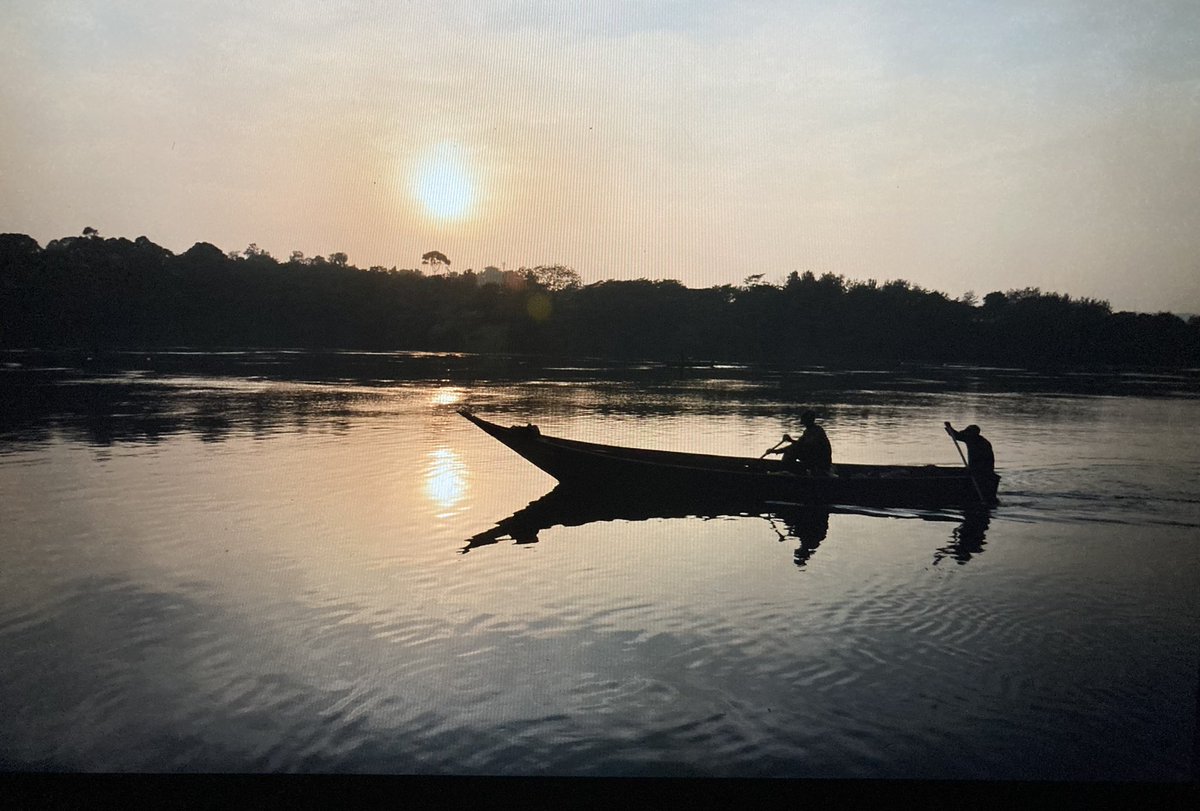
(276, 586)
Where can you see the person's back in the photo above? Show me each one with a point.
(980, 458)
(811, 452)
(816, 453)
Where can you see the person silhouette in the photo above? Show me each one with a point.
(980, 458)
(810, 453)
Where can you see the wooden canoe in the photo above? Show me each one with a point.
(615, 468)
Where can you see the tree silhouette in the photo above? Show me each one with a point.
(435, 259)
(91, 292)
(552, 277)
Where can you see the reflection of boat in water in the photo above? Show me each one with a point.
(574, 506)
(807, 523)
(587, 464)
(967, 539)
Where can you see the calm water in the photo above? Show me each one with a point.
(260, 562)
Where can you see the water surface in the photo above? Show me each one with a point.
(261, 561)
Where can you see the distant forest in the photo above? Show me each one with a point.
(94, 293)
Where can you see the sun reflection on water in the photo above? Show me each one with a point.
(445, 478)
(447, 396)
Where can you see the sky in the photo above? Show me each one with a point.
(962, 146)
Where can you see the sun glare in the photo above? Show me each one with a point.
(444, 184)
(445, 478)
(448, 396)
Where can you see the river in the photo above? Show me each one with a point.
(271, 561)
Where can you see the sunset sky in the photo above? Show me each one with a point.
(959, 145)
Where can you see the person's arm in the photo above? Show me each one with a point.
(950, 430)
(786, 438)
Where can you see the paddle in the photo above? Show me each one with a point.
(786, 438)
(970, 473)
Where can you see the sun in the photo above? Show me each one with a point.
(444, 183)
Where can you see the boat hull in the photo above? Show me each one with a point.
(614, 468)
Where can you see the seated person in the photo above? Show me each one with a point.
(810, 453)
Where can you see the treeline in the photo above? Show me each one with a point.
(96, 293)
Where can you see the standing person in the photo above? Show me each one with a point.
(980, 458)
(811, 452)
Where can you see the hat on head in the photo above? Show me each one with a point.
(808, 416)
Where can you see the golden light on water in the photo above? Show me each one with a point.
(445, 478)
(444, 182)
(448, 396)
